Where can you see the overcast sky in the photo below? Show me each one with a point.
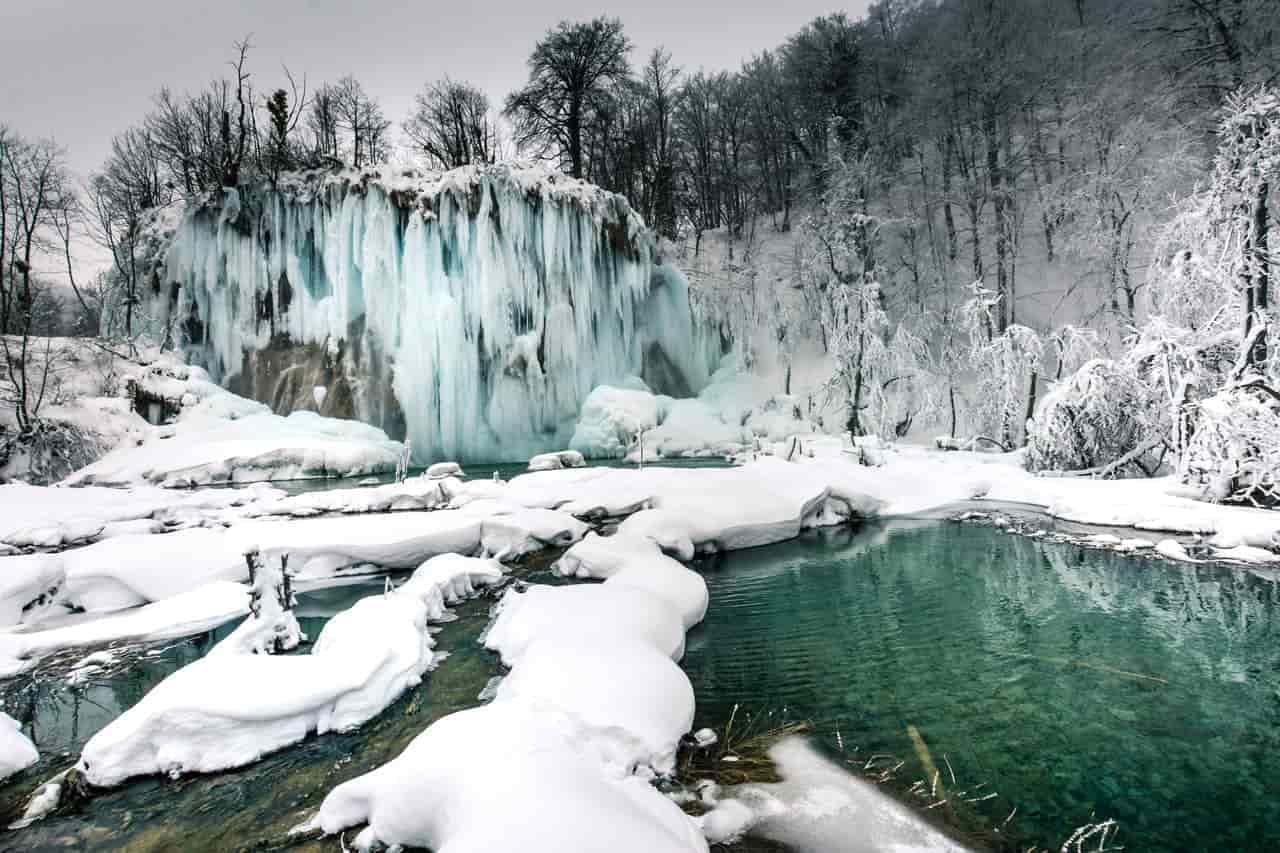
(83, 70)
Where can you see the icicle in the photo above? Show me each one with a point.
(495, 298)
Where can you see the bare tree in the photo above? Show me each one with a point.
(570, 72)
(36, 189)
(452, 125)
(361, 117)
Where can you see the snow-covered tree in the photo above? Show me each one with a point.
(1005, 368)
(271, 627)
(1199, 376)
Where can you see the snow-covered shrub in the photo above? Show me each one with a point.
(1233, 453)
(1097, 416)
(271, 626)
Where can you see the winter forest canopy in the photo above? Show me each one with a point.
(1009, 222)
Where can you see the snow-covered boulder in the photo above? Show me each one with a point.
(455, 576)
(611, 417)
(636, 721)
(17, 752)
(441, 470)
(556, 460)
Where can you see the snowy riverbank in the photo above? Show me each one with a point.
(595, 701)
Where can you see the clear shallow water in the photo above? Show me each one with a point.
(1078, 684)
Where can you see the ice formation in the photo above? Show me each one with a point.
(499, 297)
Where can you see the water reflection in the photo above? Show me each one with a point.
(1072, 681)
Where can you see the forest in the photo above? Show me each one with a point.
(950, 206)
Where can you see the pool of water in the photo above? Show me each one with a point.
(1077, 684)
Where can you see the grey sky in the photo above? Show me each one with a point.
(83, 70)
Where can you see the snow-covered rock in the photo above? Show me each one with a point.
(17, 752)
(256, 447)
(556, 460)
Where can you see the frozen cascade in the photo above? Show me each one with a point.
(471, 311)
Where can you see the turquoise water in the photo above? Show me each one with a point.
(1078, 684)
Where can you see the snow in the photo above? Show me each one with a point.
(230, 708)
(624, 560)
(29, 587)
(201, 609)
(455, 576)
(477, 779)
(502, 294)
(818, 807)
(129, 570)
(588, 614)
(556, 460)
(17, 752)
(728, 416)
(44, 517)
(263, 446)
(633, 721)
(611, 418)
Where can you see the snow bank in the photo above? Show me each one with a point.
(263, 446)
(201, 609)
(588, 614)
(414, 493)
(46, 517)
(818, 807)
(29, 587)
(125, 571)
(732, 413)
(487, 778)
(229, 709)
(17, 752)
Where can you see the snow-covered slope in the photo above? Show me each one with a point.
(474, 310)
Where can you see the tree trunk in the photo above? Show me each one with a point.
(1258, 284)
(574, 128)
(998, 201)
(953, 250)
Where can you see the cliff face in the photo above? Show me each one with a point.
(470, 311)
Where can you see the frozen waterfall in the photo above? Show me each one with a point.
(472, 311)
